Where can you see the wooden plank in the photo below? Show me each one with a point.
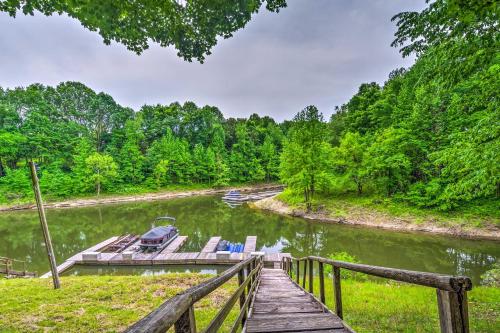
(294, 299)
(278, 307)
(293, 322)
(175, 245)
(60, 269)
(250, 244)
(211, 245)
(281, 293)
(176, 258)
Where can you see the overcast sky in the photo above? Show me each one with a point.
(313, 52)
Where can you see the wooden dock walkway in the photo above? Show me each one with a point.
(211, 245)
(280, 305)
(250, 244)
(170, 255)
(270, 301)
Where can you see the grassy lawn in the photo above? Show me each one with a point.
(97, 304)
(397, 307)
(110, 304)
(477, 214)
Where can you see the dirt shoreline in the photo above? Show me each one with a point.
(378, 220)
(141, 197)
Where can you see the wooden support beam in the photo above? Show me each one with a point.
(186, 323)
(297, 272)
(453, 311)
(311, 281)
(321, 283)
(337, 290)
(241, 279)
(304, 275)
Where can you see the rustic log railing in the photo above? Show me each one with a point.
(451, 290)
(179, 310)
(7, 267)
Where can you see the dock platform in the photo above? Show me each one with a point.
(170, 255)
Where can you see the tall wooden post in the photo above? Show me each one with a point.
(453, 311)
(304, 275)
(241, 279)
(311, 280)
(297, 272)
(338, 291)
(45, 228)
(321, 282)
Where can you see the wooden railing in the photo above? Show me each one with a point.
(179, 310)
(451, 290)
(7, 267)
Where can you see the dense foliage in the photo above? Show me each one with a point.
(85, 142)
(430, 134)
(192, 26)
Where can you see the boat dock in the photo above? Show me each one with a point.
(235, 198)
(170, 255)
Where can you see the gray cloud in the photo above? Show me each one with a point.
(313, 52)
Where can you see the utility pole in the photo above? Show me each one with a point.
(45, 228)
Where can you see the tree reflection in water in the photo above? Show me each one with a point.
(200, 218)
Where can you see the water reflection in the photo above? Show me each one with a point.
(200, 218)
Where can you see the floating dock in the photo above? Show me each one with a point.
(235, 198)
(132, 256)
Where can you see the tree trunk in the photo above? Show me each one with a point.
(360, 188)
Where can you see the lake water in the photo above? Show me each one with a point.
(76, 229)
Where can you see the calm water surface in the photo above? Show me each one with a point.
(76, 229)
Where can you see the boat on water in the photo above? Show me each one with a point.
(158, 237)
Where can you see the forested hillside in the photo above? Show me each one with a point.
(428, 136)
(85, 142)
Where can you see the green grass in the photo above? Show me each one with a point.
(97, 303)
(478, 214)
(388, 306)
(110, 304)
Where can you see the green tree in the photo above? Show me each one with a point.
(305, 161)
(101, 170)
(174, 153)
(349, 162)
(131, 159)
(244, 163)
(269, 157)
(387, 162)
(10, 147)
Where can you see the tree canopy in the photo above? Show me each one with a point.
(191, 26)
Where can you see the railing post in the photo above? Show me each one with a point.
(321, 283)
(304, 275)
(338, 291)
(297, 272)
(453, 311)
(311, 281)
(186, 322)
(241, 279)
